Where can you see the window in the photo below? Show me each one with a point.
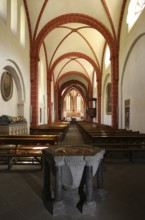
(134, 10)
(14, 11)
(22, 26)
(107, 56)
(78, 102)
(3, 9)
(68, 102)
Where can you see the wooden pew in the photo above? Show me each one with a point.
(56, 128)
(124, 144)
(25, 146)
(113, 140)
(47, 131)
(91, 136)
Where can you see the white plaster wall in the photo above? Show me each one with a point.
(12, 54)
(132, 73)
(133, 86)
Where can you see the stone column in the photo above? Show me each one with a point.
(34, 89)
(100, 181)
(89, 207)
(58, 205)
(98, 113)
(58, 183)
(56, 104)
(114, 86)
(46, 179)
(89, 184)
(49, 97)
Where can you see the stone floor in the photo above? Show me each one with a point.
(21, 191)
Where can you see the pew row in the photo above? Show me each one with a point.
(57, 128)
(14, 147)
(126, 142)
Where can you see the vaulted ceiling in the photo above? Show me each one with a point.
(74, 34)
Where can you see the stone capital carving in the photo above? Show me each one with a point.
(74, 160)
(59, 160)
(91, 160)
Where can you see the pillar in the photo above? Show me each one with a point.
(46, 179)
(100, 181)
(89, 184)
(34, 90)
(114, 92)
(89, 206)
(58, 184)
(49, 97)
(58, 205)
(99, 101)
(56, 104)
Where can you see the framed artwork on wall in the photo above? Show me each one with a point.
(127, 113)
(6, 86)
(108, 99)
(40, 115)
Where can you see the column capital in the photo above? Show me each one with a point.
(59, 160)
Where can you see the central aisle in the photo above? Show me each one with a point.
(73, 136)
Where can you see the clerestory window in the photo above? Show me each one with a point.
(134, 10)
(3, 9)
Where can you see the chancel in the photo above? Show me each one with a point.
(72, 84)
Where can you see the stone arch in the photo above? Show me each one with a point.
(18, 77)
(14, 70)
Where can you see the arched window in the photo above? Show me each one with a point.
(134, 10)
(22, 26)
(68, 102)
(3, 9)
(107, 56)
(14, 16)
(78, 103)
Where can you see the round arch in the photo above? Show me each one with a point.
(11, 67)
